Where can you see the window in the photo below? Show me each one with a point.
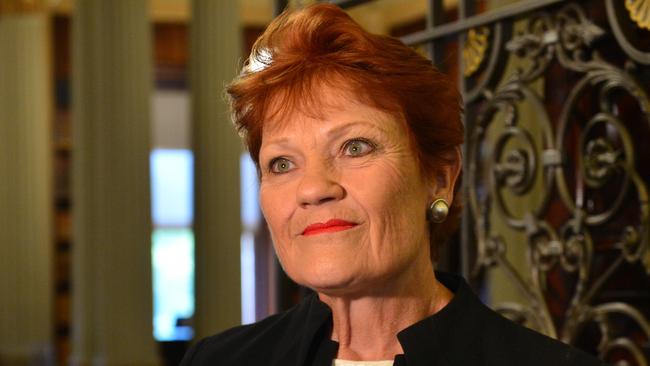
(172, 249)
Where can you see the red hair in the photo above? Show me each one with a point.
(303, 50)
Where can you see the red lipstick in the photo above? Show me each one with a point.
(328, 227)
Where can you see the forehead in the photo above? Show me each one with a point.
(325, 107)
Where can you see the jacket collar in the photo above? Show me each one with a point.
(431, 341)
(307, 335)
(435, 339)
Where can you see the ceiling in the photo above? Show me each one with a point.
(377, 16)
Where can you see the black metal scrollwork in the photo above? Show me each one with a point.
(506, 159)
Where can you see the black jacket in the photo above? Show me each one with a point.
(463, 333)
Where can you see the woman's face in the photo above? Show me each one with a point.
(344, 196)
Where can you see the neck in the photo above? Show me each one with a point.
(366, 326)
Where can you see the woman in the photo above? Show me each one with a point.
(356, 138)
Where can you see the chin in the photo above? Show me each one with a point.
(328, 279)
(332, 286)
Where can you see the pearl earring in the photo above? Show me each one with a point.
(438, 211)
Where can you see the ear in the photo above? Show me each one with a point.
(444, 179)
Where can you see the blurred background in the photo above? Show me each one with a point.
(129, 221)
(98, 123)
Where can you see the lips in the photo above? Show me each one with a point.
(328, 227)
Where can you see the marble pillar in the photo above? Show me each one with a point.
(26, 278)
(215, 50)
(112, 86)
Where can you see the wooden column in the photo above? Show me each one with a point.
(112, 86)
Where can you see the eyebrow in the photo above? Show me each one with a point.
(346, 126)
(282, 141)
(334, 132)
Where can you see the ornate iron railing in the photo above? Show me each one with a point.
(588, 213)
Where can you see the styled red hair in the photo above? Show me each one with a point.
(303, 50)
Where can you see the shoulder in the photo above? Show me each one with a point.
(508, 343)
(253, 344)
(475, 334)
(233, 345)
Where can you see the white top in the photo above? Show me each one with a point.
(338, 362)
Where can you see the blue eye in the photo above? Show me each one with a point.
(357, 147)
(280, 165)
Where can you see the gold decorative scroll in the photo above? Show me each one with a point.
(639, 12)
(474, 49)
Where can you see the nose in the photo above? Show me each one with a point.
(319, 185)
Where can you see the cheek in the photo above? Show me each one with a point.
(274, 208)
(394, 199)
(387, 189)
(278, 204)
